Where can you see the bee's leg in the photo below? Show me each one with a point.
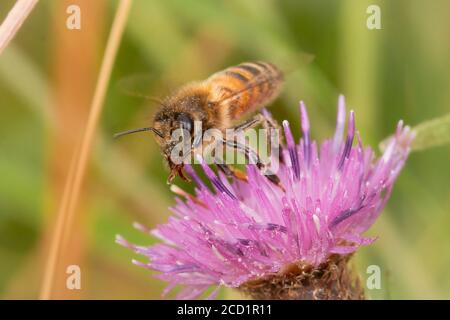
(177, 170)
(232, 172)
(268, 123)
(228, 170)
(263, 118)
(253, 157)
(271, 124)
(197, 141)
(250, 123)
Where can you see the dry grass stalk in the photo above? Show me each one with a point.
(14, 21)
(77, 171)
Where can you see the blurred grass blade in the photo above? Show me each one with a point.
(72, 188)
(15, 66)
(432, 133)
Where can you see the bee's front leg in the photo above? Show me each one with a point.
(176, 170)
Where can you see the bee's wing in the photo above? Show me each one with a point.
(141, 85)
(246, 87)
(226, 95)
(136, 85)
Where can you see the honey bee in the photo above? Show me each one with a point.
(225, 100)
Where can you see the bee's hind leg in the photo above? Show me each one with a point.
(253, 157)
(250, 123)
(269, 124)
(228, 170)
(232, 172)
(263, 118)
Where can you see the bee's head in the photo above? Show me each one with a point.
(175, 127)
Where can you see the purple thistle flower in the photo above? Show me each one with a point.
(244, 231)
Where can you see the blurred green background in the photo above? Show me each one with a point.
(47, 77)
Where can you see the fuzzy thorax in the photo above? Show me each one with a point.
(334, 279)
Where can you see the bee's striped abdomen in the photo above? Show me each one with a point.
(247, 87)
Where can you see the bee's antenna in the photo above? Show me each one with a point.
(124, 133)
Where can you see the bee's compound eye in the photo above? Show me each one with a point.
(185, 121)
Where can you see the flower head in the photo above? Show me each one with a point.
(244, 231)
